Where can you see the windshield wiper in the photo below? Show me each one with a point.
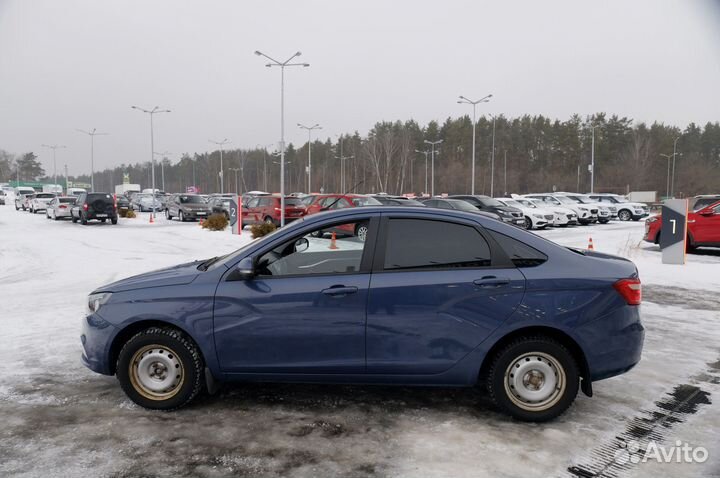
(205, 264)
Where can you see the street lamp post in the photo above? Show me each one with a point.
(264, 147)
(282, 66)
(426, 168)
(474, 104)
(432, 164)
(151, 113)
(163, 157)
(592, 161)
(92, 133)
(236, 179)
(222, 173)
(672, 179)
(309, 171)
(54, 148)
(492, 162)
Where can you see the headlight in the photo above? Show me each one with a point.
(95, 301)
(584, 209)
(538, 216)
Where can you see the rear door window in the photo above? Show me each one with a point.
(521, 254)
(427, 244)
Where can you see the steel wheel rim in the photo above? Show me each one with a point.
(156, 372)
(535, 381)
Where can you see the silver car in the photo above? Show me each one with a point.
(145, 202)
(59, 207)
(40, 201)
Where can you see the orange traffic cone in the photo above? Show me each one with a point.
(590, 245)
(333, 244)
(152, 218)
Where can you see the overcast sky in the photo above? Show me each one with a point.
(67, 64)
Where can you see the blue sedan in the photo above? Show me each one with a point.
(429, 297)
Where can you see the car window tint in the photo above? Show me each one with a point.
(519, 253)
(419, 244)
(341, 204)
(329, 250)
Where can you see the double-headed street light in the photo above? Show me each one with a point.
(222, 174)
(163, 156)
(309, 168)
(92, 133)
(432, 164)
(282, 66)
(54, 148)
(151, 113)
(464, 100)
(236, 179)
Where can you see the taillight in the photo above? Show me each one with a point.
(630, 290)
(62, 207)
(85, 207)
(277, 209)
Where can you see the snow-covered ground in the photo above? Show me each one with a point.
(59, 419)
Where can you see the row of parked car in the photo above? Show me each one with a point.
(81, 208)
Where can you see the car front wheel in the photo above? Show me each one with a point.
(624, 215)
(533, 379)
(160, 368)
(528, 223)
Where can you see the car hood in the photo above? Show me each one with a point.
(176, 275)
(506, 209)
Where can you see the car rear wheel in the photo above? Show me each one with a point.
(624, 215)
(269, 220)
(361, 231)
(83, 220)
(533, 379)
(160, 368)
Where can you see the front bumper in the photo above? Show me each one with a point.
(195, 214)
(96, 337)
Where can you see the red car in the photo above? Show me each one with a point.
(331, 202)
(703, 227)
(267, 209)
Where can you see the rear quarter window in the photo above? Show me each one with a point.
(521, 254)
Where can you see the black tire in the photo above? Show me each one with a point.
(178, 349)
(168, 216)
(83, 220)
(361, 231)
(114, 220)
(604, 221)
(528, 223)
(103, 220)
(549, 355)
(73, 219)
(181, 216)
(624, 215)
(55, 217)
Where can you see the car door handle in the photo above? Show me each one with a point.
(339, 291)
(492, 282)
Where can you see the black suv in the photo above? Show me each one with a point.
(511, 215)
(100, 206)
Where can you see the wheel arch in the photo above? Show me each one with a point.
(550, 332)
(128, 332)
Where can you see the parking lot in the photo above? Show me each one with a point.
(60, 419)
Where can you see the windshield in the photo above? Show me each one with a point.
(464, 206)
(307, 200)
(528, 203)
(565, 200)
(512, 203)
(582, 199)
(490, 202)
(192, 200)
(365, 201)
(294, 202)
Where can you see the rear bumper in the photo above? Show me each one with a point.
(613, 343)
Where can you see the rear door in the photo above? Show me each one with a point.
(438, 289)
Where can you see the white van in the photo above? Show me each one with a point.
(75, 191)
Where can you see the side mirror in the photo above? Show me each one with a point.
(302, 244)
(246, 268)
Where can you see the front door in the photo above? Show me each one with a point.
(706, 229)
(435, 296)
(304, 312)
